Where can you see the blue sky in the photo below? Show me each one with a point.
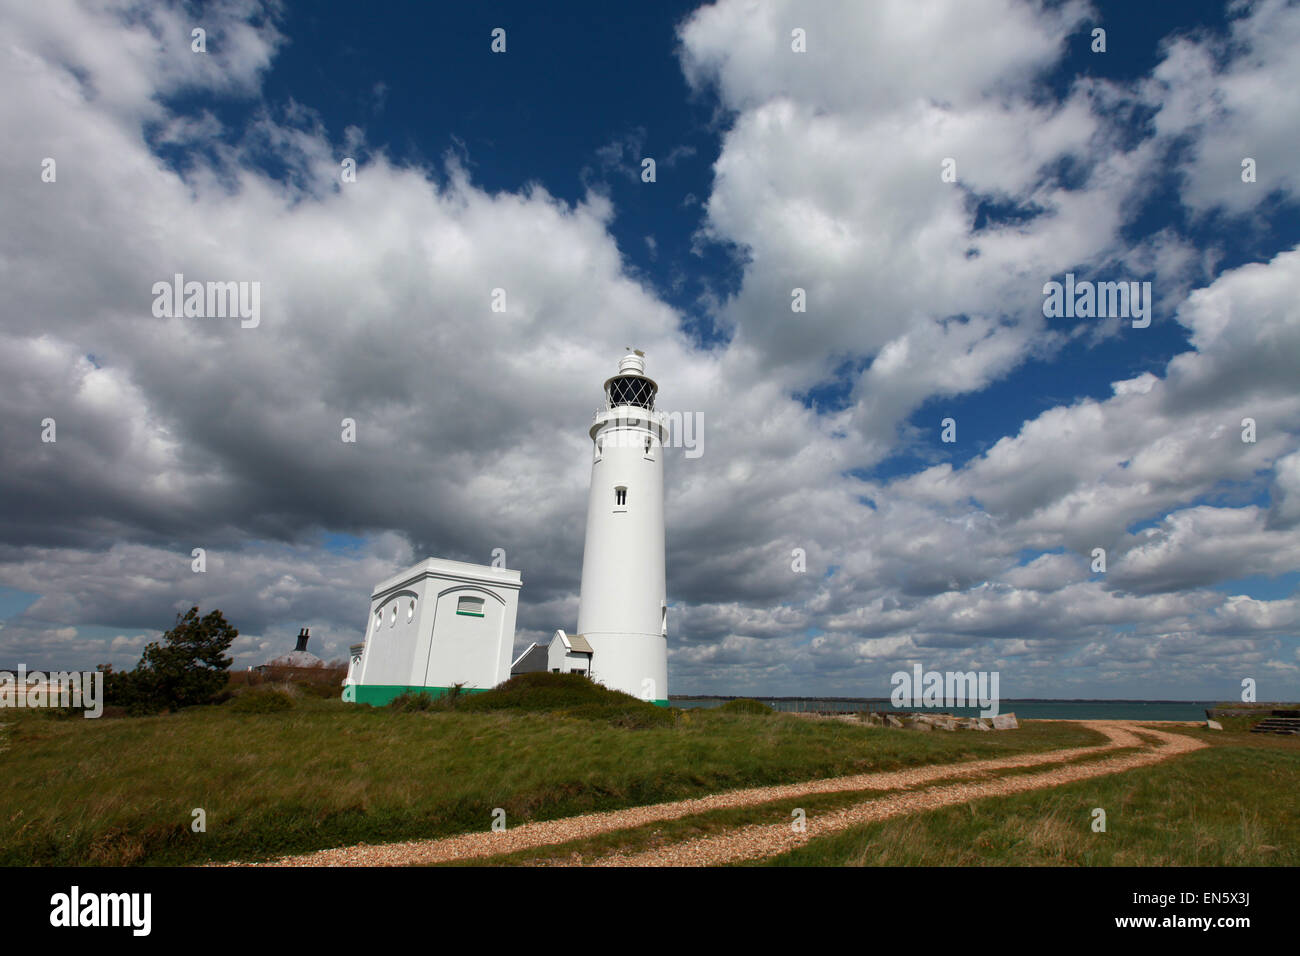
(775, 170)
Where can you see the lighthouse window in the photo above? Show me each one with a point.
(472, 606)
(410, 611)
(631, 390)
(648, 442)
(620, 496)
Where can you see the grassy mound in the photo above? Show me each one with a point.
(568, 695)
(261, 700)
(745, 705)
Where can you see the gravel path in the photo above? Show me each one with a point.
(760, 841)
(756, 841)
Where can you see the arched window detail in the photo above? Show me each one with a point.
(620, 496)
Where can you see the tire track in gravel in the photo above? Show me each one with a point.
(760, 841)
(536, 834)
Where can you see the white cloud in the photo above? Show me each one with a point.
(1234, 98)
(471, 424)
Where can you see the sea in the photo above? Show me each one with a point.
(1029, 709)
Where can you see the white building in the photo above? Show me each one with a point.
(565, 654)
(623, 608)
(435, 625)
(569, 654)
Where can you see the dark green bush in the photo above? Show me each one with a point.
(745, 705)
(187, 667)
(412, 702)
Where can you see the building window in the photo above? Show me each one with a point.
(649, 442)
(410, 612)
(379, 619)
(471, 606)
(392, 618)
(620, 495)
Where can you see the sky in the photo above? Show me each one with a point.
(843, 259)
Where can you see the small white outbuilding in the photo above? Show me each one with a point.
(433, 626)
(565, 654)
(569, 654)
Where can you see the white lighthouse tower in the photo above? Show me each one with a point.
(623, 609)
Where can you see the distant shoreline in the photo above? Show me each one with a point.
(1026, 708)
(1022, 700)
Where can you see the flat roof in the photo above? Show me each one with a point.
(453, 570)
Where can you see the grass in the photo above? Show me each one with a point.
(1233, 804)
(322, 773)
(1256, 713)
(666, 832)
(1255, 705)
(1236, 724)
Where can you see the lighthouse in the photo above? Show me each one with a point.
(622, 607)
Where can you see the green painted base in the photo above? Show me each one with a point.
(378, 695)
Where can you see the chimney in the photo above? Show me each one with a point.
(303, 637)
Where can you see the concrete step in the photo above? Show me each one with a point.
(1277, 725)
